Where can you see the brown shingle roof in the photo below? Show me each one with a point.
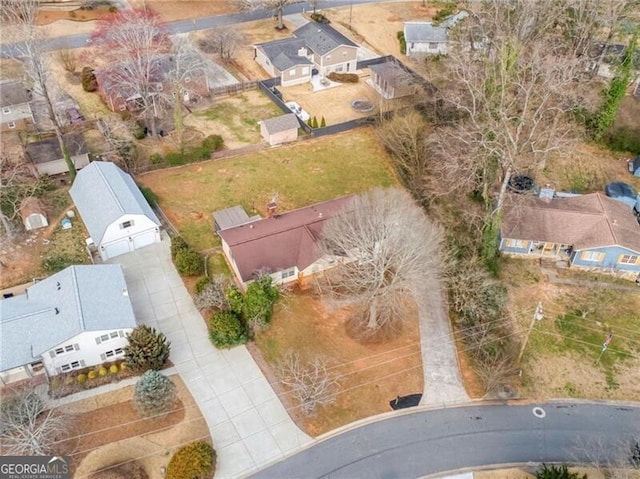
(13, 93)
(587, 221)
(287, 240)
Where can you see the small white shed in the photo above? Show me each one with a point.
(33, 214)
(281, 129)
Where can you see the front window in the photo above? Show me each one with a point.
(287, 273)
(433, 46)
(6, 109)
(126, 224)
(591, 256)
(12, 124)
(628, 259)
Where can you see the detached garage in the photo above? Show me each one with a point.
(113, 209)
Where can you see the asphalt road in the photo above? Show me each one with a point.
(435, 441)
(184, 26)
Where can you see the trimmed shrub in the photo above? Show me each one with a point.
(82, 378)
(89, 81)
(226, 330)
(123, 366)
(154, 393)
(314, 122)
(403, 42)
(113, 369)
(113, 9)
(175, 159)
(147, 349)
(213, 143)
(69, 380)
(256, 305)
(194, 461)
(323, 122)
(92, 374)
(139, 134)
(310, 122)
(178, 244)
(189, 262)
(320, 18)
(343, 77)
(149, 195)
(103, 371)
(201, 284)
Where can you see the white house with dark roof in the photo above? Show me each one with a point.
(424, 38)
(77, 318)
(313, 46)
(116, 214)
(15, 107)
(281, 129)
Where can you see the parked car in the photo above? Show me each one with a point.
(623, 192)
(75, 117)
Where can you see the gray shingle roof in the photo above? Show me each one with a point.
(48, 149)
(424, 32)
(102, 192)
(281, 123)
(77, 299)
(230, 217)
(13, 93)
(392, 73)
(321, 38)
(283, 54)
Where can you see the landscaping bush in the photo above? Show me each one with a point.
(403, 42)
(323, 122)
(113, 9)
(82, 378)
(193, 461)
(189, 262)
(623, 139)
(149, 195)
(92, 375)
(343, 77)
(256, 306)
(314, 122)
(154, 393)
(213, 143)
(178, 244)
(103, 371)
(175, 159)
(446, 11)
(89, 81)
(123, 366)
(113, 369)
(147, 349)
(201, 284)
(155, 158)
(139, 134)
(226, 330)
(320, 18)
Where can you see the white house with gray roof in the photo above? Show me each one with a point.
(117, 216)
(313, 46)
(77, 318)
(424, 38)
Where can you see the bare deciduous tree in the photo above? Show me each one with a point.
(22, 15)
(214, 294)
(309, 381)
(613, 459)
(388, 248)
(224, 41)
(276, 6)
(404, 135)
(67, 59)
(515, 93)
(28, 427)
(16, 184)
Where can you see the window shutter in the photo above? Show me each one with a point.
(103, 356)
(52, 354)
(82, 363)
(76, 347)
(98, 340)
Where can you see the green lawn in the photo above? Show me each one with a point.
(301, 174)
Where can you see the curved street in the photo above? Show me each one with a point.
(439, 440)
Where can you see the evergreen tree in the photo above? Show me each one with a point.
(147, 349)
(154, 393)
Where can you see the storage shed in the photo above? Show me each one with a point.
(33, 213)
(281, 129)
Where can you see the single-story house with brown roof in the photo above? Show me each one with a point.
(33, 213)
(48, 158)
(282, 245)
(281, 129)
(589, 231)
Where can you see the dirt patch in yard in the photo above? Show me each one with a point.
(108, 431)
(46, 17)
(370, 375)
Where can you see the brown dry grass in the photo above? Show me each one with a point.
(112, 433)
(371, 375)
(46, 17)
(170, 11)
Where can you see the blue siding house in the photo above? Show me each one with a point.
(588, 231)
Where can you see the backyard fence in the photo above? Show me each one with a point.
(233, 89)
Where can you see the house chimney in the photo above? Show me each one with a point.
(271, 209)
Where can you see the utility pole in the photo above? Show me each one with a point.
(537, 316)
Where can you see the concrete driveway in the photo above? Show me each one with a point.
(248, 424)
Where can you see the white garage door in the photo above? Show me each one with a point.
(144, 239)
(117, 248)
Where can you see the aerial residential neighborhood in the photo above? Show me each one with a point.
(323, 238)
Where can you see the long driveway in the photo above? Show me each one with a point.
(248, 424)
(435, 441)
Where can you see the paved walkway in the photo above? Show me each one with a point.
(442, 382)
(248, 424)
